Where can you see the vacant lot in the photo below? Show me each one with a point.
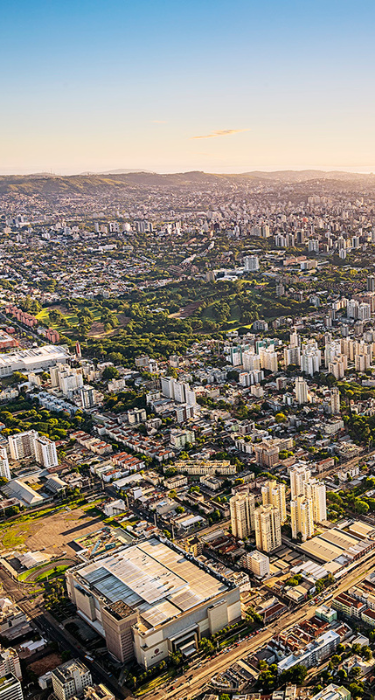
(53, 533)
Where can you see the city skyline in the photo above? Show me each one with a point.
(227, 87)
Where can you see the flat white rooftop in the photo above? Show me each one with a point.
(152, 577)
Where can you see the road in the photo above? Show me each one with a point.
(201, 676)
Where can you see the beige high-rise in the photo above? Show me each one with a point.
(267, 528)
(316, 490)
(301, 512)
(273, 493)
(298, 476)
(242, 507)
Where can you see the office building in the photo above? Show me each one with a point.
(371, 283)
(258, 563)
(22, 444)
(301, 514)
(267, 528)
(273, 493)
(298, 475)
(71, 678)
(45, 452)
(242, 507)
(10, 688)
(151, 599)
(4, 464)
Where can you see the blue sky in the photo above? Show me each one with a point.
(116, 84)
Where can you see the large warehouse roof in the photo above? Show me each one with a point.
(34, 358)
(154, 578)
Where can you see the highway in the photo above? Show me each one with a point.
(189, 687)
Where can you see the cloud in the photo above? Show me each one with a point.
(222, 132)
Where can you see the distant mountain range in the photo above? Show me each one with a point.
(49, 184)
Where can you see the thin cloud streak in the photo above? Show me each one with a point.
(222, 132)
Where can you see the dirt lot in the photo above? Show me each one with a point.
(47, 663)
(53, 532)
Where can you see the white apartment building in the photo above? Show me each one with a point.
(242, 507)
(22, 444)
(258, 563)
(10, 688)
(45, 452)
(302, 521)
(273, 493)
(250, 361)
(70, 679)
(178, 391)
(311, 358)
(267, 528)
(338, 366)
(4, 464)
(251, 263)
(298, 475)
(10, 663)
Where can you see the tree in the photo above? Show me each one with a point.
(111, 373)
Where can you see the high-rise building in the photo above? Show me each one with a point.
(251, 263)
(273, 493)
(258, 563)
(267, 528)
(302, 521)
(311, 358)
(22, 444)
(242, 507)
(45, 452)
(335, 401)
(371, 283)
(292, 355)
(10, 688)
(70, 679)
(316, 491)
(4, 464)
(10, 663)
(301, 389)
(298, 476)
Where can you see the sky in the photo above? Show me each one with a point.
(213, 85)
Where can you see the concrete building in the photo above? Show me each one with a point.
(98, 692)
(258, 563)
(333, 692)
(267, 528)
(10, 663)
(335, 401)
(242, 507)
(4, 464)
(22, 445)
(70, 679)
(316, 490)
(301, 513)
(32, 359)
(10, 688)
(311, 358)
(298, 475)
(151, 599)
(273, 493)
(251, 263)
(301, 390)
(45, 452)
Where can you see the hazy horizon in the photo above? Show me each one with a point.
(269, 169)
